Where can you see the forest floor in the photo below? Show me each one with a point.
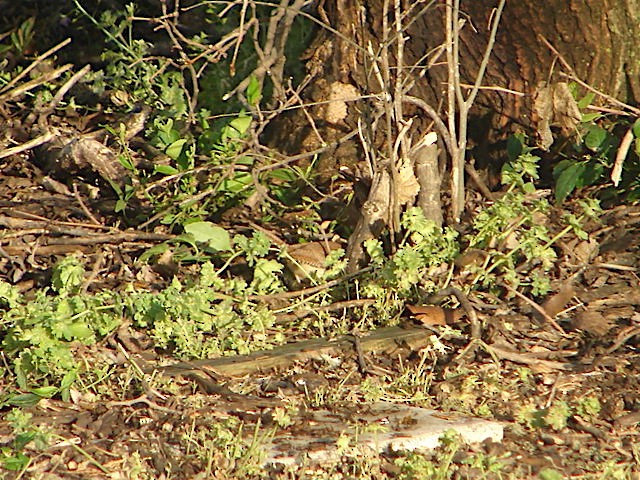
(111, 347)
(567, 393)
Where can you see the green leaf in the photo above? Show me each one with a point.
(264, 275)
(592, 172)
(154, 251)
(9, 295)
(284, 174)
(68, 275)
(17, 462)
(568, 180)
(24, 400)
(586, 100)
(550, 474)
(237, 127)
(45, 392)
(636, 128)
(590, 117)
(253, 91)
(76, 331)
(120, 206)
(595, 137)
(206, 232)
(125, 161)
(514, 146)
(175, 149)
(239, 182)
(166, 169)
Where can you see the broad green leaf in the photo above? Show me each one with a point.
(592, 172)
(566, 182)
(125, 161)
(238, 127)
(120, 206)
(239, 182)
(24, 400)
(285, 174)
(76, 331)
(206, 232)
(175, 149)
(45, 392)
(514, 147)
(595, 137)
(17, 462)
(590, 117)
(156, 250)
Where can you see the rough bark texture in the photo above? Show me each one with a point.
(598, 40)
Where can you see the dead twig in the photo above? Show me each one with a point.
(527, 358)
(83, 207)
(33, 143)
(308, 291)
(6, 90)
(622, 338)
(538, 309)
(476, 326)
(347, 304)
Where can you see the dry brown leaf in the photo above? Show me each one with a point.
(555, 106)
(471, 256)
(593, 322)
(586, 250)
(431, 315)
(408, 186)
(339, 94)
(557, 303)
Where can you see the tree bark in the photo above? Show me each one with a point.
(597, 40)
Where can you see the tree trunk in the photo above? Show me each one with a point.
(597, 40)
(402, 80)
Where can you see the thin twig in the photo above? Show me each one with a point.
(33, 65)
(83, 207)
(35, 142)
(538, 309)
(310, 290)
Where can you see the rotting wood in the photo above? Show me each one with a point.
(381, 340)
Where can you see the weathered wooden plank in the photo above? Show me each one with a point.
(380, 340)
